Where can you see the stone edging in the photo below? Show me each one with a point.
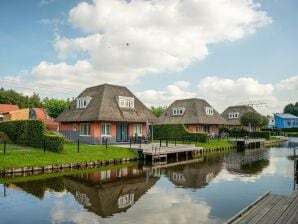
(61, 167)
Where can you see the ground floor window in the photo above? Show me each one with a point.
(106, 129)
(198, 129)
(84, 129)
(137, 129)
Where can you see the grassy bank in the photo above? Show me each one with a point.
(214, 144)
(18, 156)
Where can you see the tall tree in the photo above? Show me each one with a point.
(158, 110)
(252, 119)
(291, 109)
(55, 107)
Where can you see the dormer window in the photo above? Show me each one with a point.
(234, 115)
(209, 110)
(178, 111)
(126, 102)
(83, 102)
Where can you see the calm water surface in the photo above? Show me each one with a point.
(209, 190)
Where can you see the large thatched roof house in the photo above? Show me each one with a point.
(196, 114)
(105, 111)
(233, 114)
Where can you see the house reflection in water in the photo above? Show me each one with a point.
(104, 192)
(195, 175)
(111, 191)
(249, 162)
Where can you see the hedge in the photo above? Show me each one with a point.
(292, 134)
(4, 137)
(289, 129)
(53, 142)
(242, 133)
(31, 133)
(177, 131)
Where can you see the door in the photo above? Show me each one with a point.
(122, 132)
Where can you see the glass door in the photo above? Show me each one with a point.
(122, 132)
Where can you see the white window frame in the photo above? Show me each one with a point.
(89, 129)
(83, 102)
(178, 111)
(234, 115)
(126, 102)
(103, 134)
(209, 111)
(135, 129)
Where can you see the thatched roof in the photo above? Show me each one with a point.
(104, 107)
(194, 113)
(241, 109)
(104, 197)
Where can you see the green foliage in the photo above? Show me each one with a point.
(265, 121)
(177, 131)
(31, 133)
(4, 137)
(53, 143)
(291, 109)
(236, 132)
(292, 134)
(13, 97)
(289, 129)
(253, 119)
(158, 110)
(55, 107)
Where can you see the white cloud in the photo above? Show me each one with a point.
(71, 47)
(172, 92)
(289, 84)
(143, 37)
(224, 92)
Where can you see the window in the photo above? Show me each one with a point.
(106, 130)
(126, 102)
(233, 115)
(178, 111)
(74, 127)
(85, 129)
(197, 128)
(1, 117)
(83, 102)
(137, 129)
(209, 110)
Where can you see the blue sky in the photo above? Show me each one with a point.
(46, 31)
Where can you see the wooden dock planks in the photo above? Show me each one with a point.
(270, 209)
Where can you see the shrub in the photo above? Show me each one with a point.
(236, 132)
(4, 137)
(292, 134)
(53, 142)
(289, 129)
(177, 131)
(30, 133)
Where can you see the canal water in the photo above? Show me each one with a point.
(210, 189)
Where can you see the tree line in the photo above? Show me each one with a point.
(52, 106)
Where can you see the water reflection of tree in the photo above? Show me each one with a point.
(39, 187)
(249, 162)
(195, 175)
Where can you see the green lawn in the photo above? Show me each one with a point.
(214, 144)
(19, 156)
(272, 138)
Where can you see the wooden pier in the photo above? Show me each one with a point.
(270, 209)
(159, 154)
(247, 143)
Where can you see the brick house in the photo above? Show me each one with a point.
(105, 112)
(196, 114)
